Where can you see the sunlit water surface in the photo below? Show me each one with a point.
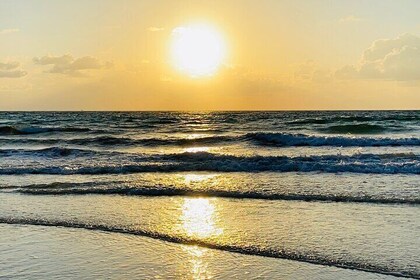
(291, 195)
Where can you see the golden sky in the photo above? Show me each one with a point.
(263, 55)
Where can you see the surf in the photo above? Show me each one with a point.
(234, 248)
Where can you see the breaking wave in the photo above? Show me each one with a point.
(403, 163)
(290, 140)
(258, 138)
(52, 152)
(97, 188)
(109, 140)
(12, 130)
(234, 248)
(349, 119)
(355, 129)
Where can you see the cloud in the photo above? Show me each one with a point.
(10, 70)
(8, 31)
(9, 65)
(310, 71)
(12, 74)
(350, 18)
(155, 29)
(70, 66)
(389, 59)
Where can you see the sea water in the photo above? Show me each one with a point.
(197, 195)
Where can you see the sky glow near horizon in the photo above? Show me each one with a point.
(209, 55)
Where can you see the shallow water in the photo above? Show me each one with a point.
(37, 253)
(302, 195)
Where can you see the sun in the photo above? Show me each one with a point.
(197, 50)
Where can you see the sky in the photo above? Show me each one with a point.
(278, 55)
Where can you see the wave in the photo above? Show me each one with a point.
(161, 120)
(234, 248)
(357, 163)
(109, 140)
(355, 129)
(94, 188)
(293, 140)
(62, 185)
(349, 119)
(310, 121)
(126, 141)
(52, 152)
(120, 163)
(271, 139)
(103, 141)
(12, 130)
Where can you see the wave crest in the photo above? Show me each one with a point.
(12, 130)
(296, 140)
(211, 244)
(404, 163)
(271, 139)
(52, 152)
(97, 188)
(355, 129)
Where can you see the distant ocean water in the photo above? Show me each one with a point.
(336, 189)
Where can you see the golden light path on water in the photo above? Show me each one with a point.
(198, 218)
(198, 221)
(198, 214)
(198, 262)
(196, 150)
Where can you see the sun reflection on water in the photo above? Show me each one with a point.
(198, 262)
(198, 218)
(196, 149)
(196, 178)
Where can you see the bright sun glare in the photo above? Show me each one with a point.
(198, 218)
(197, 50)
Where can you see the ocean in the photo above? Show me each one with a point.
(200, 195)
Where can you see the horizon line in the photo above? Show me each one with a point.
(246, 110)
